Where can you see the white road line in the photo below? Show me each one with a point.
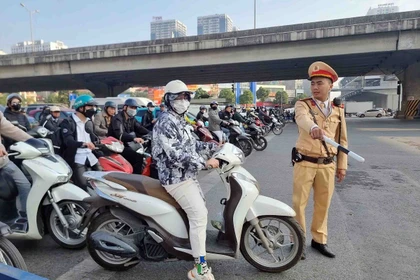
(87, 269)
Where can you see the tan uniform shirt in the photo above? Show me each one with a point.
(330, 124)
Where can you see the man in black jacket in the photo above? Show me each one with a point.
(127, 129)
(52, 121)
(78, 144)
(202, 115)
(12, 113)
(149, 120)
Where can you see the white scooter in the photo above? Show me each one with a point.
(138, 219)
(52, 199)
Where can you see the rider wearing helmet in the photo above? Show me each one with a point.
(179, 157)
(215, 121)
(102, 120)
(126, 128)
(149, 120)
(78, 144)
(202, 115)
(13, 111)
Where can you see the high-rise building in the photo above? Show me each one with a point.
(38, 46)
(383, 9)
(164, 29)
(214, 24)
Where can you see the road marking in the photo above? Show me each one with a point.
(87, 269)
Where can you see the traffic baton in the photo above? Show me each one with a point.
(344, 150)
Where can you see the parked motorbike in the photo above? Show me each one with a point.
(259, 141)
(203, 133)
(139, 220)
(52, 199)
(9, 254)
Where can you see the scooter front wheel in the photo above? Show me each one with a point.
(260, 143)
(73, 212)
(9, 255)
(285, 237)
(246, 146)
(277, 129)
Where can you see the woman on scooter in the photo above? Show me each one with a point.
(179, 157)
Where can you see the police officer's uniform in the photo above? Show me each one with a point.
(315, 166)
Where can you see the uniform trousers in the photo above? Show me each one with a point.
(321, 178)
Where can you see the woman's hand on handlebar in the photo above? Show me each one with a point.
(139, 140)
(3, 151)
(212, 163)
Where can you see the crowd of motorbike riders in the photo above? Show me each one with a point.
(77, 145)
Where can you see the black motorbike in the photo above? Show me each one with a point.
(259, 141)
(238, 138)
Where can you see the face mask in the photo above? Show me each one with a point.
(151, 109)
(131, 112)
(89, 113)
(180, 106)
(16, 107)
(214, 107)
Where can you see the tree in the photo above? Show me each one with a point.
(3, 99)
(138, 93)
(262, 94)
(247, 97)
(201, 93)
(227, 94)
(299, 96)
(281, 97)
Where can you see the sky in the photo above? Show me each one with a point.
(95, 22)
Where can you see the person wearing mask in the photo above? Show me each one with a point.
(126, 128)
(23, 186)
(314, 164)
(162, 107)
(226, 116)
(102, 120)
(149, 120)
(179, 158)
(13, 114)
(202, 114)
(215, 121)
(237, 115)
(52, 121)
(78, 144)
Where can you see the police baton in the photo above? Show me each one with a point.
(344, 150)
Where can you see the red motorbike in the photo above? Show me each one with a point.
(203, 133)
(111, 158)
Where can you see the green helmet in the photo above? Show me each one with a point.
(84, 100)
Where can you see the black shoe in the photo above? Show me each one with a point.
(323, 249)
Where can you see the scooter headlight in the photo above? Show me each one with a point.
(239, 153)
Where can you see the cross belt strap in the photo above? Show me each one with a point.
(323, 142)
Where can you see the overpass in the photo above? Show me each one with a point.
(380, 44)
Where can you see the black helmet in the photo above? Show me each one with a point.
(12, 96)
(229, 105)
(131, 102)
(111, 104)
(214, 103)
(150, 104)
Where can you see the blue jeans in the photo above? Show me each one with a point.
(21, 182)
(226, 131)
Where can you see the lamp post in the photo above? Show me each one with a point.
(30, 19)
(255, 14)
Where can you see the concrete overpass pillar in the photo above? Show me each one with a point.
(410, 91)
(105, 90)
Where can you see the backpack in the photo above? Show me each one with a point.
(57, 136)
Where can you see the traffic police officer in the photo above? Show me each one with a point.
(314, 164)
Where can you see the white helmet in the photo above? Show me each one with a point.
(176, 86)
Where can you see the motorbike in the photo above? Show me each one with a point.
(138, 220)
(110, 158)
(203, 133)
(9, 254)
(52, 201)
(259, 141)
(238, 138)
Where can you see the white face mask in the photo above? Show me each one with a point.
(180, 106)
(131, 112)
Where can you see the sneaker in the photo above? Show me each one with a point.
(194, 275)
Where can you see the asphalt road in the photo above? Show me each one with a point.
(374, 222)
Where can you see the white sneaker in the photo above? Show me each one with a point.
(194, 275)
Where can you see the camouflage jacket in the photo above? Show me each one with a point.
(178, 155)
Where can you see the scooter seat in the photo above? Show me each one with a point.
(142, 184)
